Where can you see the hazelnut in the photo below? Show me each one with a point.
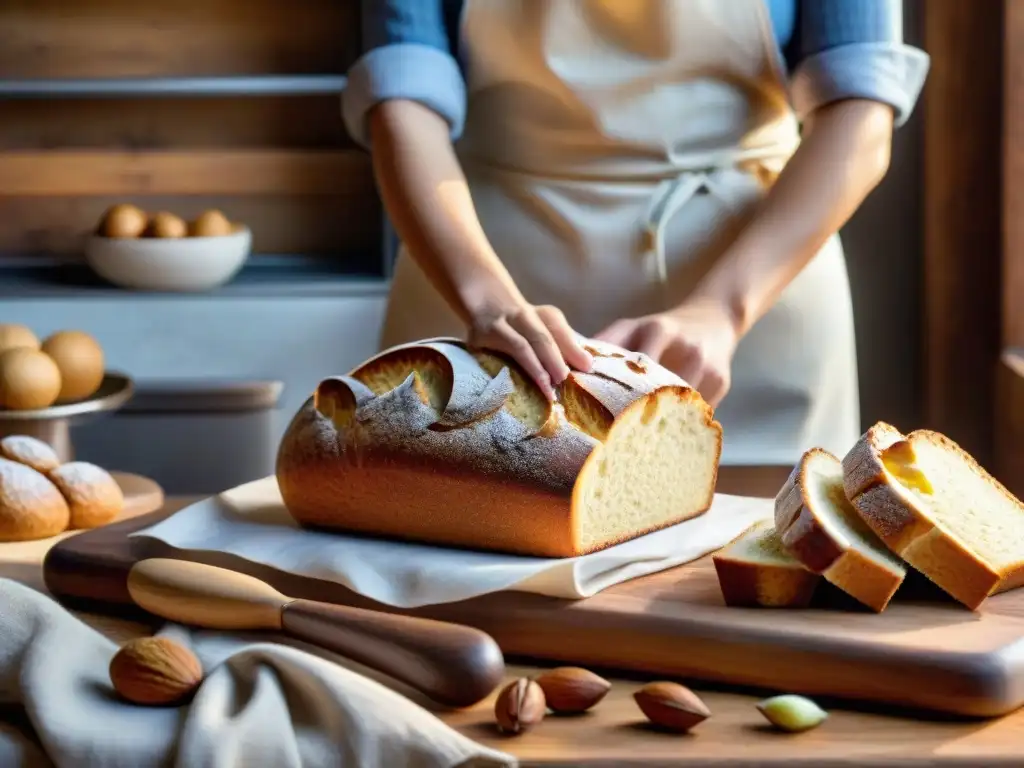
(792, 713)
(520, 706)
(155, 670)
(571, 690)
(671, 706)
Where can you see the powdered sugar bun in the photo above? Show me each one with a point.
(31, 507)
(28, 450)
(92, 494)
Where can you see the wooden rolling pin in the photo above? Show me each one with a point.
(453, 665)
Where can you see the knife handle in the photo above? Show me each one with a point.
(452, 664)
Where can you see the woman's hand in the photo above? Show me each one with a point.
(538, 338)
(696, 341)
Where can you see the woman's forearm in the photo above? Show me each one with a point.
(428, 201)
(843, 156)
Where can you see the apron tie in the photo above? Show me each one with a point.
(668, 198)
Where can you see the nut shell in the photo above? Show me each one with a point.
(520, 706)
(155, 671)
(571, 690)
(671, 706)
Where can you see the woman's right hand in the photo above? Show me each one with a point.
(539, 338)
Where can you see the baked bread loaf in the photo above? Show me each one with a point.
(93, 495)
(31, 507)
(932, 504)
(28, 450)
(820, 528)
(439, 443)
(756, 570)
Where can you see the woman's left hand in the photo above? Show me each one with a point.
(696, 341)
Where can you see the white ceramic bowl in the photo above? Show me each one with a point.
(169, 264)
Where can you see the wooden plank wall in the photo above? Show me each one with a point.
(1009, 403)
(963, 111)
(283, 165)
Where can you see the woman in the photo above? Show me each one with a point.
(666, 175)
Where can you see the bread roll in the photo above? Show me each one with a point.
(93, 495)
(15, 336)
(29, 379)
(79, 357)
(28, 450)
(31, 507)
(437, 443)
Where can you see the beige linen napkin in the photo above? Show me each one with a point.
(261, 704)
(251, 522)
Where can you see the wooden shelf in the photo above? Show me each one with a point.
(173, 87)
(194, 172)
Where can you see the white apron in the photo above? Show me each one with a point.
(613, 148)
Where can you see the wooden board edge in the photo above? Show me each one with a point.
(977, 685)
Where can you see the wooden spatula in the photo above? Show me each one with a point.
(452, 664)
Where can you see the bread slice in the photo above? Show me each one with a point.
(931, 503)
(756, 570)
(821, 528)
(440, 443)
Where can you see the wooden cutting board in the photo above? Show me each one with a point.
(924, 652)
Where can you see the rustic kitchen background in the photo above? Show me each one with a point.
(234, 105)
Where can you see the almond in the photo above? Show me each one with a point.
(671, 706)
(571, 690)
(155, 670)
(520, 706)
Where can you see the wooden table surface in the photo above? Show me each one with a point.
(615, 732)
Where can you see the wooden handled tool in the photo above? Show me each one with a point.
(452, 664)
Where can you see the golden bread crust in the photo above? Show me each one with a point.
(30, 451)
(440, 443)
(749, 582)
(94, 498)
(806, 537)
(31, 507)
(896, 515)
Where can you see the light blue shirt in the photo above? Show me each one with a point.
(833, 49)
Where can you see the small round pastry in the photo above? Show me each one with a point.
(29, 379)
(165, 224)
(211, 223)
(92, 494)
(14, 336)
(80, 360)
(29, 451)
(123, 221)
(31, 507)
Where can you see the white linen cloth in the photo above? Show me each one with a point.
(251, 522)
(261, 704)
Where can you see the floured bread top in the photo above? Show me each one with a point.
(22, 487)
(28, 450)
(464, 409)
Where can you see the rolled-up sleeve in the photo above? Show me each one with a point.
(854, 49)
(407, 54)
